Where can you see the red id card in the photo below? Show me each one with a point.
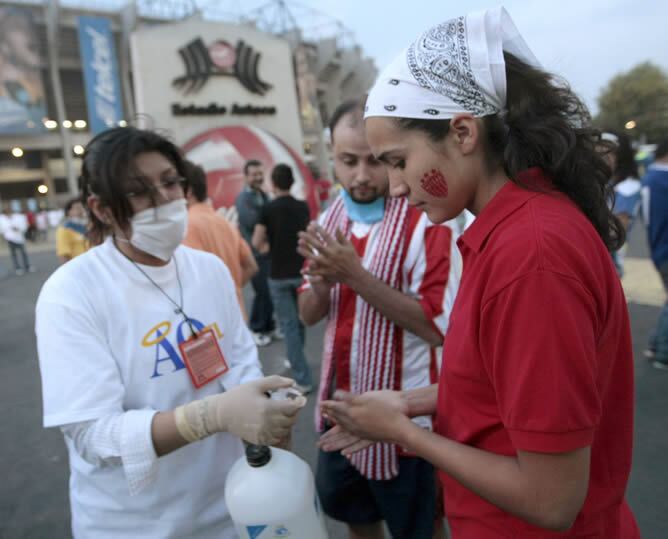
(203, 357)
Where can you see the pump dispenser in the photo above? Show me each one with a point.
(271, 493)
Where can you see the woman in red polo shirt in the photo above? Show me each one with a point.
(535, 399)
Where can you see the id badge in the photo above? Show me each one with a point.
(203, 358)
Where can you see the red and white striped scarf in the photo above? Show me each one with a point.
(376, 360)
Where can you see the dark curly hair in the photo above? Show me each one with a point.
(546, 125)
(108, 166)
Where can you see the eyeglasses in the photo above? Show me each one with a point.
(166, 187)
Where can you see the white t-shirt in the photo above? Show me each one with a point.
(42, 221)
(13, 227)
(54, 217)
(108, 343)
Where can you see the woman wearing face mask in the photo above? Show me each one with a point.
(143, 352)
(534, 403)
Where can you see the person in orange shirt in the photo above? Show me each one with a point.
(211, 232)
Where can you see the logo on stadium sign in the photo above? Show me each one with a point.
(220, 59)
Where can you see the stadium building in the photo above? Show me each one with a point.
(225, 86)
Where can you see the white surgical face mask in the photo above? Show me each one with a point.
(159, 231)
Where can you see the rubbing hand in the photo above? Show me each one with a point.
(333, 259)
(378, 416)
(338, 439)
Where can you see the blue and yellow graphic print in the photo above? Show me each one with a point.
(167, 351)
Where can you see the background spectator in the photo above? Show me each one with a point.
(276, 233)
(211, 232)
(249, 204)
(655, 203)
(14, 226)
(71, 237)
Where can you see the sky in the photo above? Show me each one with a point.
(587, 42)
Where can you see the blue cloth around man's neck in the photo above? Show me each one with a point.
(368, 213)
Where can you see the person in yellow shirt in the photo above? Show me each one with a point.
(71, 237)
(211, 232)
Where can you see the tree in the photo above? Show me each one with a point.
(639, 95)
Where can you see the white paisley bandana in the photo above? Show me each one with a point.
(454, 67)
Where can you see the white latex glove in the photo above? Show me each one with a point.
(245, 411)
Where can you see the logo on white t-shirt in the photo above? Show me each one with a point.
(166, 343)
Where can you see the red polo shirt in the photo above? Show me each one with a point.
(538, 357)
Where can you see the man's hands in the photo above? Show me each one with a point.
(375, 416)
(245, 411)
(331, 260)
(337, 439)
(334, 260)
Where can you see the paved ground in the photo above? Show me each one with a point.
(34, 470)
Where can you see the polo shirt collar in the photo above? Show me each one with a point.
(508, 200)
(201, 207)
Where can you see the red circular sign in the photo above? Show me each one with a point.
(223, 151)
(223, 54)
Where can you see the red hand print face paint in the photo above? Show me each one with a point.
(433, 182)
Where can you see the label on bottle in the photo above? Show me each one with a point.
(308, 524)
(264, 531)
(255, 531)
(306, 527)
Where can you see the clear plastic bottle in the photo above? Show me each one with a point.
(270, 493)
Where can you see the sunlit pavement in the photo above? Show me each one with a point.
(642, 283)
(34, 469)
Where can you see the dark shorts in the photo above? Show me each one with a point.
(408, 503)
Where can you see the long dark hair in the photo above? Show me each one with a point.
(625, 157)
(546, 125)
(108, 165)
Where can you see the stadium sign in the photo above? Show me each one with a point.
(220, 59)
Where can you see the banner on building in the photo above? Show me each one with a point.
(22, 100)
(98, 57)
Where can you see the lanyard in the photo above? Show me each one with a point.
(179, 306)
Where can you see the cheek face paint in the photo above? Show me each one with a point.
(433, 182)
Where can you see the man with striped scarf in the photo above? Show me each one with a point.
(385, 278)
